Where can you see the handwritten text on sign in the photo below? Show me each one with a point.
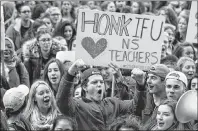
(124, 39)
(192, 35)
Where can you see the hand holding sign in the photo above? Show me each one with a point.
(116, 71)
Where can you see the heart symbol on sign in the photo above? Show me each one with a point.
(94, 49)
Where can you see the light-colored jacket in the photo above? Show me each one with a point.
(14, 33)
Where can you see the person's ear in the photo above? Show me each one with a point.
(84, 88)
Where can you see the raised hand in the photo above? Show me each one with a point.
(138, 75)
(116, 71)
(77, 66)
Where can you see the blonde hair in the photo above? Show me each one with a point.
(31, 105)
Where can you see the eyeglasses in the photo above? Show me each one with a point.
(45, 39)
(25, 11)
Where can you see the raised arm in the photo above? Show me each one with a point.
(137, 104)
(64, 97)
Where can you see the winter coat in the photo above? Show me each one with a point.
(33, 60)
(18, 75)
(95, 115)
(14, 33)
(35, 67)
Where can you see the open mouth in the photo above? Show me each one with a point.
(151, 87)
(46, 100)
(6, 53)
(160, 124)
(99, 91)
(54, 79)
(190, 74)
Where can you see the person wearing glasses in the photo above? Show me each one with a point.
(55, 15)
(41, 109)
(35, 64)
(22, 24)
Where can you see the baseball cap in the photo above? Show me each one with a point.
(89, 72)
(14, 98)
(160, 70)
(178, 76)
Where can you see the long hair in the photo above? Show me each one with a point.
(190, 82)
(176, 124)
(186, 44)
(31, 104)
(141, 7)
(59, 31)
(45, 73)
(72, 12)
(152, 121)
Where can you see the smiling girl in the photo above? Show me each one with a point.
(41, 109)
(68, 31)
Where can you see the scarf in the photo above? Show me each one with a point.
(11, 64)
(41, 122)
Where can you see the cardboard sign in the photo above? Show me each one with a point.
(2, 30)
(127, 40)
(66, 56)
(192, 35)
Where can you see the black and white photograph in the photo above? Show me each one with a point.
(82, 65)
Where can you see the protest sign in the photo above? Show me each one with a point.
(127, 40)
(2, 29)
(192, 35)
(66, 56)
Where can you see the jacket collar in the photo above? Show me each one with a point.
(17, 25)
(89, 101)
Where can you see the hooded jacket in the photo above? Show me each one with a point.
(95, 115)
(14, 33)
(33, 60)
(17, 75)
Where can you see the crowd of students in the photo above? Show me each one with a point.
(41, 92)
